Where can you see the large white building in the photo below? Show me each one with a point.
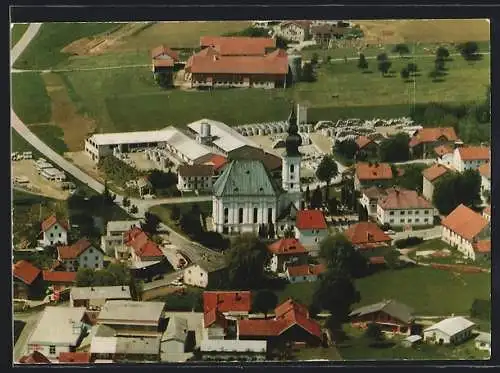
(453, 330)
(470, 157)
(246, 195)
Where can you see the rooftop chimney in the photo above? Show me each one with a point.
(369, 236)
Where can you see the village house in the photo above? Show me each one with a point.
(311, 229)
(285, 252)
(232, 304)
(366, 236)
(453, 330)
(175, 340)
(145, 256)
(323, 33)
(430, 176)
(195, 178)
(203, 274)
(81, 254)
(372, 174)
(487, 212)
(114, 238)
(59, 280)
(296, 31)
(405, 208)
(367, 148)
(60, 329)
(96, 296)
(483, 342)
(304, 272)
(34, 358)
(424, 140)
(26, 277)
(238, 45)
(390, 315)
(291, 323)
(444, 155)
(217, 162)
(464, 229)
(485, 172)
(470, 157)
(74, 358)
(369, 199)
(54, 232)
(163, 59)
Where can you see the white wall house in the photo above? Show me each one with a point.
(200, 275)
(310, 229)
(81, 254)
(54, 232)
(401, 208)
(304, 273)
(430, 176)
(195, 177)
(470, 157)
(453, 330)
(114, 234)
(297, 31)
(369, 199)
(483, 342)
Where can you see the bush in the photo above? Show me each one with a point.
(481, 309)
(410, 241)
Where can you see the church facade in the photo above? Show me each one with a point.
(246, 195)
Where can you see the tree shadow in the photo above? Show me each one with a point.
(473, 57)
(367, 72)
(438, 80)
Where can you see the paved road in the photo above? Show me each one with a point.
(167, 280)
(21, 45)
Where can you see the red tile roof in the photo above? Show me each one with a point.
(310, 219)
(59, 276)
(403, 199)
(74, 357)
(483, 246)
(237, 45)
(485, 170)
(433, 134)
(377, 171)
(141, 243)
(442, 150)
(163, 63)
(290, 306)
(306, 270)
(227, 301)
(50, 221)
(195, 170)
(434, 172)
(363, 141)
(75, 250)
(366, 233)
(25, 271)
(217, 161)
(261, 328)
(35, 358)
(214, 317)
(472, 153)
(287, 246)
(164, 50)
(465, 222)
(373, 192)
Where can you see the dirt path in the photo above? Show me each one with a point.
(65, 115)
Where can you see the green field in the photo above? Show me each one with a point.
(51, 135)
(29, 98)
(17, 33)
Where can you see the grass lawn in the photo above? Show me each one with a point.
(29, 98)
(302, 292)
(51, 135)
(434, 244)
(44, 52)
(17, 33)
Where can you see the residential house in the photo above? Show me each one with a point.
(203, 274)
(296, 31)
(163, 59)
(54, 232)
(444, 155)
(215, 325)
(182, 336)
(464, 228)
(233, 350)
(453, 330)
(411, 340)
(430, 176)
(304, 272)
(229, 303)
(369, 199)
(173, 341)
(81, 254)
(487, 212)
(74, 358)
(25, 278)
(311, 229)
(59, 279)
(424, 140)
(367, 148)
(60, 329)
(144, 253)
(470, 157)
(405, 208)
(113, 241)
(285, 252)
(96, 296)
(485, 172)
(366, 236)
(290, 324)
(323, 33)
(390, 315)
(483, 342)
(34, 358)
(217, 162)
(197, 177)
(372, 174)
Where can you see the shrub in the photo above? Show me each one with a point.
(481, 309)
(410, 241)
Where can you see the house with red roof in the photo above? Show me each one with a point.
(366, 236)
(81, 254)
(144, 252)
(424, 140)
(217, 162)
(196, 177)
(229, 303)
(464, 229)
(163, 59)
(405, 208)
(34, 357)
(369, 199)
(444, 155)
(367, 147)
(291, 323)
(304, 272)
(369, 174)
(54, 232)
(430, 176)
(74, 358)
(286, 252)
(310, 228)
(470, 157)
(25, 278)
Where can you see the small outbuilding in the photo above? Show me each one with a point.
(411, 340)
(452, 330)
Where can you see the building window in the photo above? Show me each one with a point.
(292, 168)
(226, 215)
(85, 258)
(426, 212)
(409, 220)
(91, 250)
(410, 212)
(417, 212)
(291, 186)
(51, 235)
(96, 257)
(391, 212)
(52, 350)
(417, 220)
(270, 215)
(426, 220)
(402, 212)
(59, 235)
(255, 213)
(240, 215)
(97, 265)
(402, 220)
(391, 221)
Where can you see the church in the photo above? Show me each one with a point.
(246, 195)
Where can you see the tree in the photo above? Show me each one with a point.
(405, 74)
(339, 255)
(395, 148)
(327, 169)
(151, 223)
(442, 53)
(384, 66)
(120, 272)
(164, 79)
(308, 74)
(362, 62)
(317, 198)
(382, 57)
(333, 205)
(175, 213)
(314, 59)
(439, 65)
(134, 209)
(190, 223)
(469, 187)
(469, 50)
(412, 68)
(245, 261)
(281, 42)
(392, 259)
(307, 194)
(126, 202)
(362, 212)
(84, 277)
(103, 277)
(346, 148)
(374, 333)
(402, 49)
(264, 301)
(453, 189)
(270, 231)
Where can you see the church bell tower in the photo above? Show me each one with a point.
(292, 158)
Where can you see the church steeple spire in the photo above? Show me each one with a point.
(293, 140)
